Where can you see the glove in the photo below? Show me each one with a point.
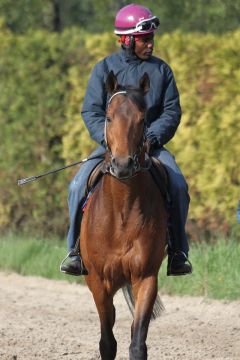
(150, 145)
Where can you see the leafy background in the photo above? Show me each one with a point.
(47, 51)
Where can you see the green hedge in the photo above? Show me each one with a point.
(43, 77)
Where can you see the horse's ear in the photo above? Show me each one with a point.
(144, 83)
(111, 83)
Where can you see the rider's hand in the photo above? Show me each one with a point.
(147, 146)
(151, 145)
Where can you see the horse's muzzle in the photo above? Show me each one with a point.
(123, 168)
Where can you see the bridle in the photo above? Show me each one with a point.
(137, 167)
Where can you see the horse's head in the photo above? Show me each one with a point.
(125, 126)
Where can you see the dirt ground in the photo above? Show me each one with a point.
(46, 319)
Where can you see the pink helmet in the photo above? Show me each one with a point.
(135, 19)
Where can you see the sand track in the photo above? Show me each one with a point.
(46, 319)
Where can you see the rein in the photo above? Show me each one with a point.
(137, 166)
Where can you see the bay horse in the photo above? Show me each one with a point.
(124, 226)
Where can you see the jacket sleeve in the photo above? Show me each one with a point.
(163, 128)
(94, 104)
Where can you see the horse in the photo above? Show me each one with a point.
(124, 226)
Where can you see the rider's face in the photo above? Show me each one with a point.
(144, 46)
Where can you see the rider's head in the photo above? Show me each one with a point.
(135, 24)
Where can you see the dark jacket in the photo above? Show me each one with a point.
(163, 108)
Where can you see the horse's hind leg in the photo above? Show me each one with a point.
(106, 312)
(145, 292)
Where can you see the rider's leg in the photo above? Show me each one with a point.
(77, 191)
(178, 190)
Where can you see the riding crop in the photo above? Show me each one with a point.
(36, 177)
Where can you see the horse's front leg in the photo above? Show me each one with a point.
(145, 292)
(106, 312)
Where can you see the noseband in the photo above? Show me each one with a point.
(137, 167)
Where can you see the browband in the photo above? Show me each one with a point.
(117, 93)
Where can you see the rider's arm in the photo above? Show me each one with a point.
(94, 104)
(163, 128)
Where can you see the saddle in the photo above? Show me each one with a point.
(157, 170)
(95, 176)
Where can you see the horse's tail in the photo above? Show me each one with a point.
(158, 307)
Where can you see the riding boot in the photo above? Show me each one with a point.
(178, 264)
(73, 266)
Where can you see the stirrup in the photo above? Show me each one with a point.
(63, 261)
(70, 270)
(186, 260)
(73, 252)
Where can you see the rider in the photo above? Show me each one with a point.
(135, 25)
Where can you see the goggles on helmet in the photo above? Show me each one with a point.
(149, 24)
(142, 26)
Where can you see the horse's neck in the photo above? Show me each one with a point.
(126, 194)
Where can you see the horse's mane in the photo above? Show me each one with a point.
(136, 95)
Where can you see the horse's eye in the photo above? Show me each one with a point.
(108, 119)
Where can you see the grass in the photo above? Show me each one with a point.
(36, 257)
(216, 272)
(216, 267)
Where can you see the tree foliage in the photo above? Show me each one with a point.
(215, 16)
(23, 15)
(34, 86)
(43, 77)
(208, 141)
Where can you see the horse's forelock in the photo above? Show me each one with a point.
(136, 95)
